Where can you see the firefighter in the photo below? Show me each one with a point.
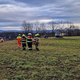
(36, 41)
(18, 40)
(29, 41)
(23, 41)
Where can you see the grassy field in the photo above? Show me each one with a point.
(58, 59)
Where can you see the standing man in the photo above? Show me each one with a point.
(18, 40)
(23, 41)
(29, 41)
(36, 41)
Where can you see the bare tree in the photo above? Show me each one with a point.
(61, 25)
(27, 27)
(37, 26)
(43, 28)
(69, 24)
(53, 26)
(24, 28)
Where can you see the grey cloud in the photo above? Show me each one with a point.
(29, 10)
(7, 24)
(36, 2)
(6, 1)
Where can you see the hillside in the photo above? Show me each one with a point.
(58, 59)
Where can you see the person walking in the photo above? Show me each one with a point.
(23, 41)
(18, 40)
(36, 41)
(29, 41)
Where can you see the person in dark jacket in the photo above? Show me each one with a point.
(29, 41)
(23, 41)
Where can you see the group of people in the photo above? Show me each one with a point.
(23, 40)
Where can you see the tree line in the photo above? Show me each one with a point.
(44, 28)
(49, 28)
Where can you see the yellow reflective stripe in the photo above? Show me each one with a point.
(29, 48)
(29, 41)
(29, 38)
(23, 40)
(18, 37)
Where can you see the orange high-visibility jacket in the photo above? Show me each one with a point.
(18, 40)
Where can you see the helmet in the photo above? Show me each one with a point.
(23, 35)
(36, 35)
(29, 34)
(19, 34)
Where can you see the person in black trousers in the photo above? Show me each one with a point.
(29, 41)
(23, 41)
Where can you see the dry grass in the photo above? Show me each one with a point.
(58, 59)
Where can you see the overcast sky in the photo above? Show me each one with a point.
(14, 12)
